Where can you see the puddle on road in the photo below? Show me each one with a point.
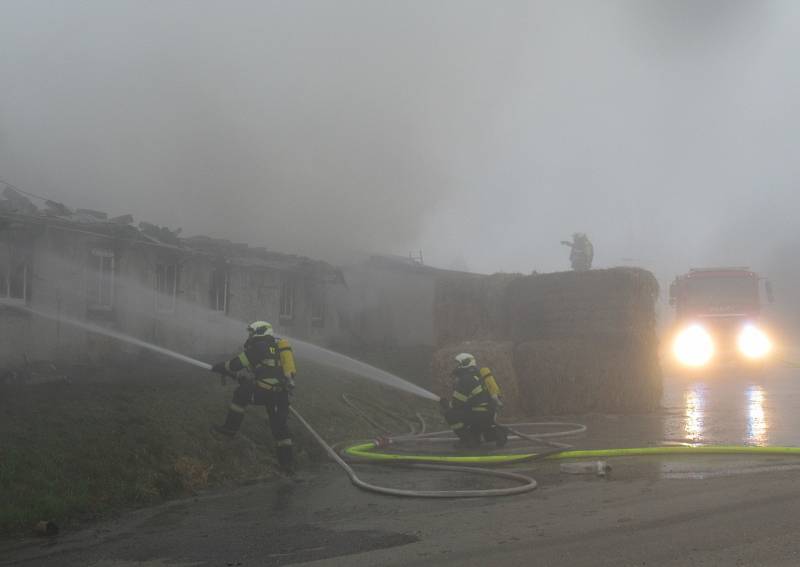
(723, 409)
(736, 408)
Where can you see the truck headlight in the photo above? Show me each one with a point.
(693, 346)
(753, 342)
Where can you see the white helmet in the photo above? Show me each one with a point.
(259, 329)
(465, 360)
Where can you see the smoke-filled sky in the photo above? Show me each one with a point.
(480, 132)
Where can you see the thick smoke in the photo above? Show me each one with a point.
(288, 126)
(473, 130)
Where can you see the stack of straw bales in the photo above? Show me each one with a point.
(619, 301)
(569, 376)
(576, 341)
(466, 308)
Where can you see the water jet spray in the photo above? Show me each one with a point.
(302, 348)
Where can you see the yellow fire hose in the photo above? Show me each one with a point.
(373, 452)
(368, 451)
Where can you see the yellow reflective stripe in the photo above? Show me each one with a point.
(244, 360)
(236, 408)
(480, 408)
(456, 426)
(284, 443)
(264, 385)
(228, 366)
(477, 390)
(269, 362)
(459, 396)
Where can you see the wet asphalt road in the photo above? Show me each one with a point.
(654, 511)
(721, 408)
(748, 408)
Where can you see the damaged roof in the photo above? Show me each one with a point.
(17, 208)
(407, 264)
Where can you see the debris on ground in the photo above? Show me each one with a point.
(599, 468)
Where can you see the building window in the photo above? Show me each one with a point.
(318, 311)
(219, 290)
(14, 278)
(166, 287)
(287, 301)
(100, 280)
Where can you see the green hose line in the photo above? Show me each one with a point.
(370, 452)
(366, 451)
(679, 450)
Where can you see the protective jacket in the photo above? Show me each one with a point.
(469, 392)
(270, 359)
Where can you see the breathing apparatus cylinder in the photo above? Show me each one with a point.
(287, 358)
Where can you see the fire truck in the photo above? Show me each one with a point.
(718, 317)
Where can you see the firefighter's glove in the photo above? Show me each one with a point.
(290, 384)
(219, 368)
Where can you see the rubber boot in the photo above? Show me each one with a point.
(467, 439)
(232, 424)
(500, 436)
(285, 454)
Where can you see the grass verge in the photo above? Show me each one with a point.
(74, 452)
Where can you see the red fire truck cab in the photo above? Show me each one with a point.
(718, 317)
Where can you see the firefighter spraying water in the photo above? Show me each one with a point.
(472, 410)
(265, 370)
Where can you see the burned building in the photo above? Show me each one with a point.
(186, 294)
(388, 313)
(391, 302)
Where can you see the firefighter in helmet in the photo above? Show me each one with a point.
(471, 411)
(581, 252)
(265, 370)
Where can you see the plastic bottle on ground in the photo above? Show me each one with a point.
(599, 468)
